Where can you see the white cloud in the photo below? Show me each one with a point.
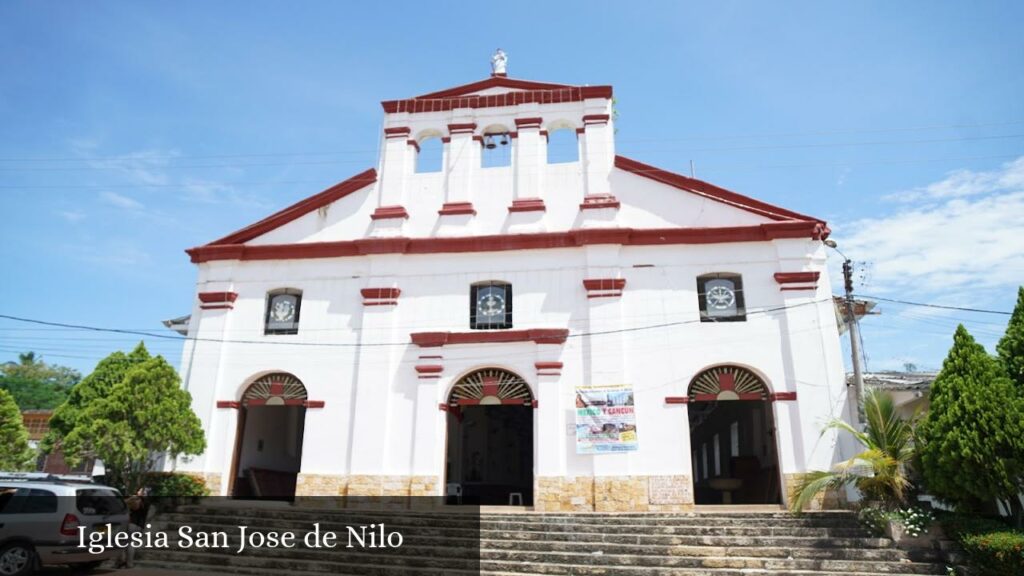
(142, 167)
(965, 232)
(115, 199)
(72, 215)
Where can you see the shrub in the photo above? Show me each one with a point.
(996, 553)
(175, 485)
(993, 548)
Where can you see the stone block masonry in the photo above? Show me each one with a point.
(614, 494)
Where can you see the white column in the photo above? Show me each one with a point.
(463, 159)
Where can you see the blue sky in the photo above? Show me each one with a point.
(130, 131)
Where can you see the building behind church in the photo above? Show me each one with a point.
(576, 332)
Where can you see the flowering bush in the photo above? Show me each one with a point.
(915, 520)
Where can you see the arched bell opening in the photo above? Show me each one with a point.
(732, 438)
(268, 441)
(489, 458)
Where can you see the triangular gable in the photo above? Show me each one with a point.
(711, 191)
(492, 82)
(278, 219)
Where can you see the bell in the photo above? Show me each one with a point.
(504, 139)
(489, 142)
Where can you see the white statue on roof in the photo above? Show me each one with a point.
(498, 62)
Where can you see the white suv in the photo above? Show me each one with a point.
(40, 516)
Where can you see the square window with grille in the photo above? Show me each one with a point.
(490, 306)
(720, 297)
(282, 316)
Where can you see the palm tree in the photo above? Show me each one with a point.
(882, 470)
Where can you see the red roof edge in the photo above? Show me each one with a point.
(278, 219)
(493, 82)
(710, 190)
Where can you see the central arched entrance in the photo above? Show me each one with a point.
(268, 441)
(732, 438)
(489, 456)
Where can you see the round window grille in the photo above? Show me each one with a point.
(277, 389)
(490, 386)
(727, 383)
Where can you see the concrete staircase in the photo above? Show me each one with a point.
(703, 543)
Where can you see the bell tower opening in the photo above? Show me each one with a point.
(490, 440)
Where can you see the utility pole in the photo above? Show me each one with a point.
(858, 375)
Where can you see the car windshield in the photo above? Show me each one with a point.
(99, 502)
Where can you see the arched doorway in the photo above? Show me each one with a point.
(489, 456)
(732, 438)
(268, 441)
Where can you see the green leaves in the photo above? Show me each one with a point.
(130, 412)
(1011, 345)
(881, 471)
(15, 453)
(35, 384)
(972, 438)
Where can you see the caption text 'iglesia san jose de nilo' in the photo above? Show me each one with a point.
(591, 333)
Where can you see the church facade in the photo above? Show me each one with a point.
(589, 334)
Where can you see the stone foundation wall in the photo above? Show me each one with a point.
(320, 485)
(614, 494)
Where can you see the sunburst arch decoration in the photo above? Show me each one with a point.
(277, 389)
(727, 383)
(490, 386)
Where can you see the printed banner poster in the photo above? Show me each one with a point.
(605, 419)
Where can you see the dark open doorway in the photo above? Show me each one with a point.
(268, 440)
(732, 439)
(490, 440)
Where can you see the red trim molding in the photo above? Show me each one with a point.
(528, 205)
(414, 144)
(314, 403)
(397, 131)
(457, 208)
(380, 296)
(229, 404)
(529, 122)
(548, 368)
(677, 399)
(386, 212)
(502, 242)
(278, 219)
(797, 280)
(217, 300)
(596, 201)
(526, 92)
(429, 371)
(782, 396)
(596, 119)
(604, 287)
(538, 335)
(464, 128)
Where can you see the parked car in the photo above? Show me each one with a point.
(40, 516)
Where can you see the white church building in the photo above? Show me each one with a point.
(589, 334)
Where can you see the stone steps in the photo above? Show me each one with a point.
(712, 544)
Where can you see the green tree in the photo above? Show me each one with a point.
(882, 470)
(108, 372)
(15, 453)
(143, 418)
(972, 438)
(1011, 345)
(36, 384)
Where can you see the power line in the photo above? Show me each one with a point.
(927, 305)
(365, 344)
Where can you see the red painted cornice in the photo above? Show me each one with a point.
(604, 283)
(336, 192)
(447, 100)
(527, 205)
(385, 212)
(503, 242)
(797, 277)
(538, 335)
(711, 191)
(217, 300)
(457, 208)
